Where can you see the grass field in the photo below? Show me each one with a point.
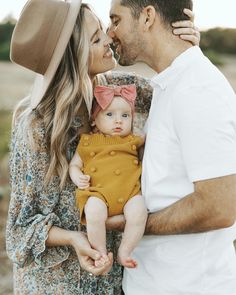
(15, 82)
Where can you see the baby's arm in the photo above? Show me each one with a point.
(76, 175)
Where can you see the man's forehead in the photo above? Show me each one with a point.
(116, 8)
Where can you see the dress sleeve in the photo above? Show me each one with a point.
(144, 89)
(32, 210)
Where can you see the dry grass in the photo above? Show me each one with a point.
(15, 82)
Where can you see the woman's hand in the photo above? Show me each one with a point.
(87, 255)
(186, 29)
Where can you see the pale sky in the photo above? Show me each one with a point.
(209, 13)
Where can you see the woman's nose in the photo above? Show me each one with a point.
(108, 40)
(110, 31)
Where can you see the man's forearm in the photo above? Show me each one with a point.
(191, 214)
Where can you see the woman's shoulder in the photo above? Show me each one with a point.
(28, 129)
(121, 77)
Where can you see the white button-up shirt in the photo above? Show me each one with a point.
(191, 136)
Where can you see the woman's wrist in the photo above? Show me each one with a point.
(60, 237)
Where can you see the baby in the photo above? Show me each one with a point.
(107, 171)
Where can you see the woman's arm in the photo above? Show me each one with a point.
(78, 240)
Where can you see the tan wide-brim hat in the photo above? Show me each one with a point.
(40, 39)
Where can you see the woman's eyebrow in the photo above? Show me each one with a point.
(94, 34)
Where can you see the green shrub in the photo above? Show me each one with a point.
(5, 131)
(214, 57)
(4, 51)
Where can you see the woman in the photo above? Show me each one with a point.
(62, 42)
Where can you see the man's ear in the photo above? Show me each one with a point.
(149, 15)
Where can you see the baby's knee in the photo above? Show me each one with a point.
(137, 212)
(95, 210)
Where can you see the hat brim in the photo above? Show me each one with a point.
(42, 82)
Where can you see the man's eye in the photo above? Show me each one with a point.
(115, 22)
(109, 114)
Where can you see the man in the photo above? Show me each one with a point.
(189, 165)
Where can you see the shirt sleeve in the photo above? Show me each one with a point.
(144, 89)
(206, 129)
(32, 207)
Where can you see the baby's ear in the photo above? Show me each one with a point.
(92, 123)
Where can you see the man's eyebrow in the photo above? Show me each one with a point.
(113, 15)
(94, 34)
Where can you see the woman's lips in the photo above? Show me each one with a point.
(108, 54)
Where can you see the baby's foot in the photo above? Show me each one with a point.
(126, 260)
(101, 261)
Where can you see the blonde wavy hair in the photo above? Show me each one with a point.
(60, 105)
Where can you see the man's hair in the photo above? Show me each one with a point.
(169, 10)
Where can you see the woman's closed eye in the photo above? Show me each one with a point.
(97, 40)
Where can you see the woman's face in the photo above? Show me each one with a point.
(101, 56)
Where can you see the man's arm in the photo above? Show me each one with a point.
(211, 206)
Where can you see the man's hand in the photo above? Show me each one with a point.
(116, 223)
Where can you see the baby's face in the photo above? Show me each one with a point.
(116, 119)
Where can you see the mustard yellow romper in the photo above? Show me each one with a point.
(113, 165)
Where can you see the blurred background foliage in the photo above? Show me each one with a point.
(213, 42)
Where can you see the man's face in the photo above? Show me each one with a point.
(124, 30)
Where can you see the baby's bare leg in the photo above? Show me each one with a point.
(96, 216)
(136, 216)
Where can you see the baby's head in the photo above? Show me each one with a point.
(113, 109)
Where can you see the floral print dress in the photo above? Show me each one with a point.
(34, 210)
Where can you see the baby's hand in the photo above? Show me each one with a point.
(83, 181)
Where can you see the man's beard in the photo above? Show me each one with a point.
(127, 58)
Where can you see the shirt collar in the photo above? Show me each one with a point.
(163, 78)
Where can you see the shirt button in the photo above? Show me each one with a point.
(117, 172)
(135, 162)
(112, 153)
(86, 144)
(134, 147)
(93, 169)
(120, 200)
(86, 137)
(92, 154)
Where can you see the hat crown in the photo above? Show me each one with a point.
(37, 32)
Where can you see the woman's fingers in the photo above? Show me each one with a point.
(88, 265)
(183, 24)
(184, 31)
(189, 13)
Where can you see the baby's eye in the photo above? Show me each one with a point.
(109, 114)
(125, 115)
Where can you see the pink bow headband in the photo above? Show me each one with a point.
(105, 94)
